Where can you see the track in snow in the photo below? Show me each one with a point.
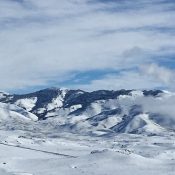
(32, 149)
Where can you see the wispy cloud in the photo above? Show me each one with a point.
(143, 77)
(45, 41)
(160, 73)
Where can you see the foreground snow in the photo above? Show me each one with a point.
(25, 153)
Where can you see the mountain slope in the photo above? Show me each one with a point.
(98, 112)
(13, 112)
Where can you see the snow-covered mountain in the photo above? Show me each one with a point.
(99, 112)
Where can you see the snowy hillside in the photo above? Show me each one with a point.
(97, 113)
(12, 112)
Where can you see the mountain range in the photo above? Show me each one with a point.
(101, 112)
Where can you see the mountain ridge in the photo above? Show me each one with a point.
(102, 111)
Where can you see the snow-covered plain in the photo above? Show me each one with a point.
(91, 142)
(33, 153)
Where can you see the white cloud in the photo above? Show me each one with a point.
(46, 39)
(160, 73)
(163, 106)
(146, 77)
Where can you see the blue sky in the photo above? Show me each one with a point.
(87, 44)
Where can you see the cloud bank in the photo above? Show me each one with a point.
(51, 41)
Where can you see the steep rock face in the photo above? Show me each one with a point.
(95, 112)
